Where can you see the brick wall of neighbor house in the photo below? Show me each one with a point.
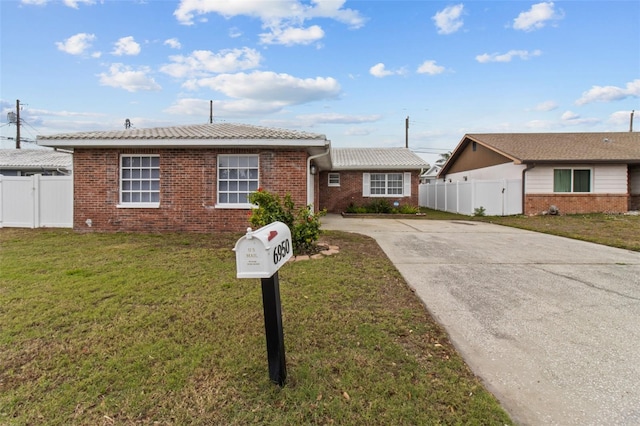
(188, 180)
(535, 204)
(337, 199)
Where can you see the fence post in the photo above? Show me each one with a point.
(1, 202)
(35, 218)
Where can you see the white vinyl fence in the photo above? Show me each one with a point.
(498, 197)
(36, 201)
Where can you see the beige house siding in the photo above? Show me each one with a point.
(606, 179)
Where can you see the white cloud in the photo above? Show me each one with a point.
(569, 115)
(283, 19)
(173, 43)
(571, 118)
(449, 20)
(379, 70)
(203, 62)
(70, 3)
(74, 3)
(270, 87)
(126, 46)
(536, 17)
(506, 57)
(623, 118)
(291, 36)
(430, 67)
(190, 106)
(124, 77)
(610, 93)
(76, 44)
(271, 11)
(335, 118)
(546, 106)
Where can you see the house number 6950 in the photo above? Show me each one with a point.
(280, 251)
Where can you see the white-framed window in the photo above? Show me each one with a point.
(237, 178)
(395, 184)
(572, 180)
(334, 179)
(139, 180)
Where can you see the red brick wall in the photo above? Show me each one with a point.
(337, 199)
(188, 180)
(576, 203)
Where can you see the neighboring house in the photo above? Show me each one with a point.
(359, 176)
(431, 175)
(197, 178)
(27, 162)
(575, 172)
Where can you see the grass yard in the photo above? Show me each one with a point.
(615, 230)
(119, 329)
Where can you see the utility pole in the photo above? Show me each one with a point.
(17, 123)
(211, 112)
(406, 132)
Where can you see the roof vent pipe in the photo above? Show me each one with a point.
(631, 120)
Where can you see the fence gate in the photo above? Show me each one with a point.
(36, 201)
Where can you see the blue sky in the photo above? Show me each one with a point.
(352, 70)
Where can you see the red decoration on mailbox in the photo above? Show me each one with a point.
(272, 235)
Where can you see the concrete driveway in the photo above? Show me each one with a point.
(551, 325)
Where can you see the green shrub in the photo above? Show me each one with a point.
(381, 205)
(303, 223)
(408, 209)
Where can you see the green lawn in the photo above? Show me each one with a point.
(155, 329)
(615, 230)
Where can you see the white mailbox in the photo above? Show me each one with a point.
(260, 253)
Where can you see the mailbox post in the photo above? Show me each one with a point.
(259, 254)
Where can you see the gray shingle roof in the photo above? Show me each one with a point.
(375, 159)
(562, 147)
(194, 131)
(35, 159)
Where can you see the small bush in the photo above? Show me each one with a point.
(408, 209)
(479, 211)
(303, 223)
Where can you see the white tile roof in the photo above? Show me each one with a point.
(35, 159)
(376, 159)
(194, 131)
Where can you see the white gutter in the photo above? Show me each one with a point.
(310, 177)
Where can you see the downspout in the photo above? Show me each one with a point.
(524, 172)
(310, 178)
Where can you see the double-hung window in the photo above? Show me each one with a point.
(237, 178)
(571, 180)
(139, 180)
(386, 184)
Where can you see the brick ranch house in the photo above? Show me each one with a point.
(197, 178)
(360, 175)
(575, 172)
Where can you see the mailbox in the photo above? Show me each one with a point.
(260, 253)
